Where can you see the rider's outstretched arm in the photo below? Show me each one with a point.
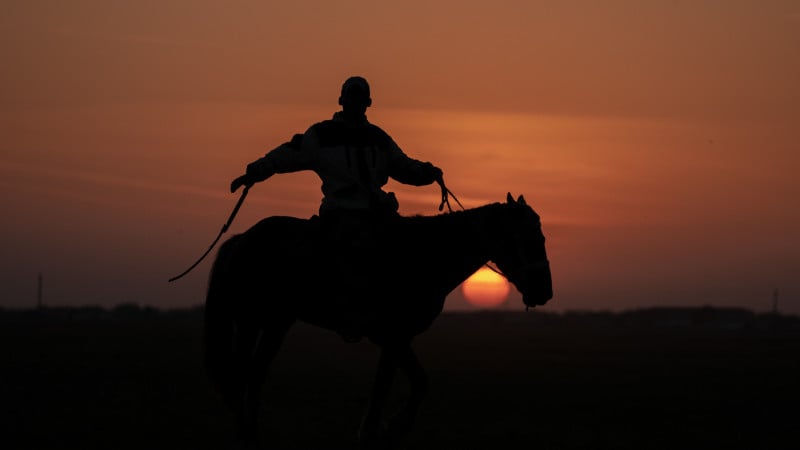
(408, 170)
(287, 157)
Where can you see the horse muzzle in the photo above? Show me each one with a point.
(536, 284)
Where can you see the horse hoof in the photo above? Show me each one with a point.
(378, 439)
(378, 444)
(246, 444)
(399, 427)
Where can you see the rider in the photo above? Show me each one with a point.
(354, 158)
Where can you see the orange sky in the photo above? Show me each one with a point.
(658, 140)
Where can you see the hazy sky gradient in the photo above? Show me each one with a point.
(658, 140)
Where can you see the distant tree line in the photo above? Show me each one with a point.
(652, 319)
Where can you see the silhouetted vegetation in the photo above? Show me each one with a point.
(645, 319)
(133, 377)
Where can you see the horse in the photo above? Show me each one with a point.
(276, 273)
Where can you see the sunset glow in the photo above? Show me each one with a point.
(486, 288)
(657, 140)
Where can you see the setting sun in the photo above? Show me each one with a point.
(485, 288)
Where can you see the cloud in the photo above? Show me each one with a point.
(118, 37)
(48, 175)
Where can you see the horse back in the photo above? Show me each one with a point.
(288, 265)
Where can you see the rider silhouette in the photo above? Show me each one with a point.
(354, 159)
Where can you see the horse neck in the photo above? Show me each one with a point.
(459, 241)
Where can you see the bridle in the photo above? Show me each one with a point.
(513, 275)
(526, 266)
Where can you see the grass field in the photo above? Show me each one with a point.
(134, 379)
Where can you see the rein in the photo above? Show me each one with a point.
(221, 232)
(446, 194)
(445, 201)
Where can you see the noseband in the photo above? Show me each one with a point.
(521, 271)
(513, 275)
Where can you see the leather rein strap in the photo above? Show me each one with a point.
(221, 232)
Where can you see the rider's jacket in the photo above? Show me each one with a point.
(354, 160)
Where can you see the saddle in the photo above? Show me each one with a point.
(358, 234)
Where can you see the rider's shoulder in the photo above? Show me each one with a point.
(377, 131)
(335, 131)
(325, 131)
(322, 126)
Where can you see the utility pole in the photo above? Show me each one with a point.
(775, 302)
(39, 292)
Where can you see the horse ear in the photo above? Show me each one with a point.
(521, 200)
(509, 198)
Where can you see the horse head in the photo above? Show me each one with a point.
(521, 253)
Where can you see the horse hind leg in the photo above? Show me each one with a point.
(401, 423)
(373, 433)
(256, 348)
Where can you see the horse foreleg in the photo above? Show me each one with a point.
(401, 423)
(243, 398)
(370, 433)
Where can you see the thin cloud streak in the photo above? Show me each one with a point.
(102, 180)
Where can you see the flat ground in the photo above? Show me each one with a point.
(135, 380)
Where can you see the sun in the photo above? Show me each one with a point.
(485, 288)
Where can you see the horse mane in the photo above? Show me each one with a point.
(448, 222)
(450, 215)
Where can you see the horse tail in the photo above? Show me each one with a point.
(220, 322)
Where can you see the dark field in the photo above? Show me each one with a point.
(659, 379)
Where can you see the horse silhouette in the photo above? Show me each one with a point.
(277, 272)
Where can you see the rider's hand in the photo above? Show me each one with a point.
(241, 181)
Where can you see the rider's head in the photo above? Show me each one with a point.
(355, 95)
